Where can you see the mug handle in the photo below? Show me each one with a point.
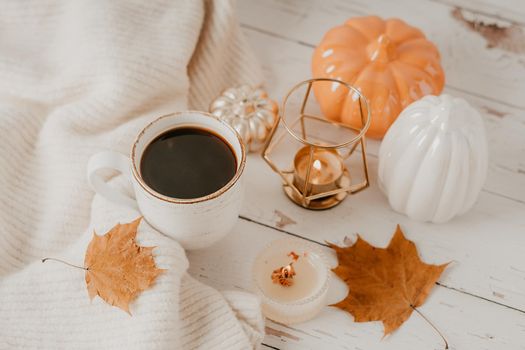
(110, 160)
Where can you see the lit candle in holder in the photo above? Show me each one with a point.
(326, 169)
(292, 278)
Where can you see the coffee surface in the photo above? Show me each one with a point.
(188, 162)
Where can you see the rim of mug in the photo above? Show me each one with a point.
(220, 191)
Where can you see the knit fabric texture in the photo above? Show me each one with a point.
(78, 77)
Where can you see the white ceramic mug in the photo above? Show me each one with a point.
(195, 223)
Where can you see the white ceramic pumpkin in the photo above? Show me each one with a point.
(433, 160)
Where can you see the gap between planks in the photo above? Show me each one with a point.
(279, 36)
(311, 46)
(326, 245)
(516, 200)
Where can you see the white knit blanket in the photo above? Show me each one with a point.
(78, 77)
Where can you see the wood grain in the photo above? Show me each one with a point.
(468, 64)
(486, 244)
(289, 62)
(467, 322)
(507, 10)
(479, 302)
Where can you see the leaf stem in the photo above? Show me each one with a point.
(432, 325)
(64, 262)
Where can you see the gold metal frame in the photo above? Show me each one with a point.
(303, 196)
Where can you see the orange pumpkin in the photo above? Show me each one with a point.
(392, 63)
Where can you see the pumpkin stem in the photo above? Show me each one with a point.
(382, 50)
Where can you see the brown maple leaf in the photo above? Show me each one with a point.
(386, 284)
(117, 269)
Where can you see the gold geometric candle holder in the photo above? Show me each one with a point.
(317, 158)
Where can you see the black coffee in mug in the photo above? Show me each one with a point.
(188, 162)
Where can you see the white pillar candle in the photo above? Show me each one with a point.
(306, 293)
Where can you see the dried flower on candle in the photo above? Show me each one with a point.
(293, 255)
(284, 274)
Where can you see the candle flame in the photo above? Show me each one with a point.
(317, 164)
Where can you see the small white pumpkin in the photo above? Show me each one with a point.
(433, 160)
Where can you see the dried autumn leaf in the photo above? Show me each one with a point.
(117, 269)
(386, 284)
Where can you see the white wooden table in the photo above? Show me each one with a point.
(479, 302)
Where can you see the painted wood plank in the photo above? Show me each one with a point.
(507, 10)
(486, 245)
(285, 63)
(467, 322)
(468, 62)
(494, 272)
